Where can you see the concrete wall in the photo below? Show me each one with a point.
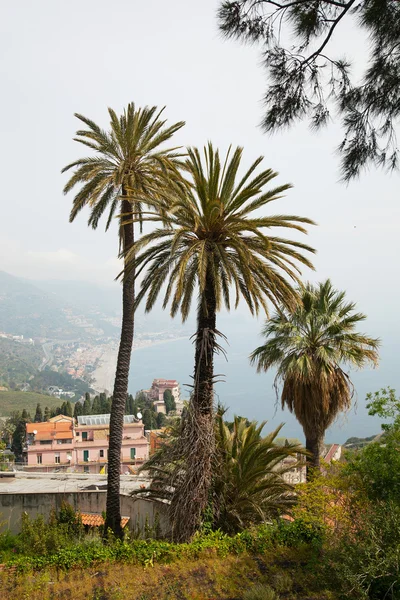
(13, 505)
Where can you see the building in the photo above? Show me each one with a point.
(159, 386)
(91, 443)
(60, 443)
(296, 465)
(160, 407)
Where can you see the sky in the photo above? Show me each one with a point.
(58, 58)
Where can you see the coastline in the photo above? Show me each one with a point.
(104, 374)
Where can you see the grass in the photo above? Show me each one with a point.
(206, 578)
(12, 401)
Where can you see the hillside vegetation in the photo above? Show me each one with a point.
(12, 401)
(18, 362)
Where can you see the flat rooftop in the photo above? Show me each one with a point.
(43, 483)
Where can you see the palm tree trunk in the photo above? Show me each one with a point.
(313, 445)
(113, 511)
(197, 440)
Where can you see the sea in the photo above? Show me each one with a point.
(245, 392)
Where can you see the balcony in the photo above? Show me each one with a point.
(38, 447)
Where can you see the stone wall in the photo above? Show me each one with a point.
(13, 505)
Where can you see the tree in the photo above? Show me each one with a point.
(87, 405)
(19, 435)
(247, 488)
(169, 401)
(68, 409)
(96, 406)
(78, 410)
(214, 242)
(308, 345)
(46, 413)
(38, 414)
(127, 171)
(305, 79)
(161, 420)
(148, 419)
(375, 469)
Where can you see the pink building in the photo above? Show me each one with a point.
(159, 386)
(83, 447)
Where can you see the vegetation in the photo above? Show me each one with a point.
(18, 362)
(308, 347)
(18, 401)
(215, 242)
(128, 171)
(247, 483)
(307, 80)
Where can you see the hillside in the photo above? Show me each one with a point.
(26, 310)
(18, 361)
(11, 401)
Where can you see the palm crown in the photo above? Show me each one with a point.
(214, 235)
(128, 163)
(309, 346)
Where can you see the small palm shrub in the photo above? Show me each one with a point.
(247, 487)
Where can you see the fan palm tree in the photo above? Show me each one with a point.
(127, 171)
(309, 346)
(248, 487)
(214, 243)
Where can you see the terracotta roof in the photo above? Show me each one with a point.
(97, 520)
(331, 452)
(47, 427)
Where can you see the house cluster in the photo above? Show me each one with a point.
(16, 338)
(83, 447)
(58, 392)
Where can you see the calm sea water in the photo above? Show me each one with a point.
(246, 393)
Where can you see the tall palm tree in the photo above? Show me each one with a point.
(127, 171)
(215, 242)
(309, 346)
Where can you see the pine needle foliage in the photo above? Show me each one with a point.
(309, 346)
(310, 79)
(129, 173)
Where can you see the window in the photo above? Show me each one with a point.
(101, 453)
(63, 441)
(85, 455)
(133, 453)
(57, 458)
(78, 433)
(86, 469)
(84, 436)
(39, 459)
(42, 442)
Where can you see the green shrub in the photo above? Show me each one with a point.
(260, 592)
(365, 562)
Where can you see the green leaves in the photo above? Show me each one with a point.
(309, 345)
(128, 156)
(213, 231)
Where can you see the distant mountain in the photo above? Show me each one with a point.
(19, 361)
(29, 311)
(85, 296)
(47, 309)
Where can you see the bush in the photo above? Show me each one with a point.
(364, 562)
(260, 592)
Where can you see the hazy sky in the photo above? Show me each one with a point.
(62, 57)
